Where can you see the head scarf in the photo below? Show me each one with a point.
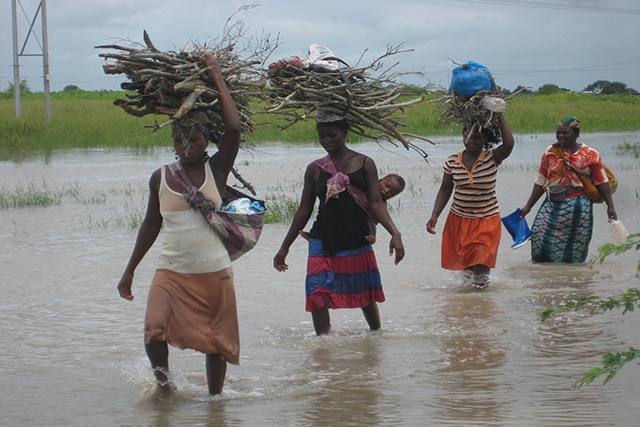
(192, 118)
(570, 121)
(199, 121)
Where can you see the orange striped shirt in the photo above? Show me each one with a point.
(475, 190)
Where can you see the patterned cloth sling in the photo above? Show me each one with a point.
(590, 190)
(239, 232)
(339, 182)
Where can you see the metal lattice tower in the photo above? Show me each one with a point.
(17, 53)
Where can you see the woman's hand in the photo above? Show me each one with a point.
(395, 245)
(431, 225)
(212, 64)
(536, 192)
(605, 192)
(279, 260)
(124, 287)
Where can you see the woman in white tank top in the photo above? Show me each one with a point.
(191, 302)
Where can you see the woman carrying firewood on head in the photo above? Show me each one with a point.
(473, 228)
(191, 301)
(342, 271)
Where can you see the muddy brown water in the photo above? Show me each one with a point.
(71, 350)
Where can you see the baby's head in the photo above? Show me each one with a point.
(391, 185)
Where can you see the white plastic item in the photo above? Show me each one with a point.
(241, 205)
(492, 103)
(320, 56)
(619, 232)
(318, 51)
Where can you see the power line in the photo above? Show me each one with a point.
(558, 6)
(573, 68)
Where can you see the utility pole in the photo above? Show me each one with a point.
(45, 64)
(16, 63)
(42, 10)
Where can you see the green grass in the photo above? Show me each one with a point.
(631, 150)
(597, 113)
(41, 195)
(282, 203)
(280, 208)
(76, 122)
(34, 195)
(81, 119)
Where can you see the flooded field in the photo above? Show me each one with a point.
(71, 350)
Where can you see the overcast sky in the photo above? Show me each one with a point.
(570, 43)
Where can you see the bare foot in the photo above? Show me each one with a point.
(467, 277)
(163, 387)
(156, 394)
(164, 392)
(481, 281)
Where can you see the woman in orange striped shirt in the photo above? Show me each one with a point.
(473, 228)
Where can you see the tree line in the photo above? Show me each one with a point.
(599, 87)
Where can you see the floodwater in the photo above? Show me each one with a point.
(71, 350)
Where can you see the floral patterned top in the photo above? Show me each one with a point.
(586, 160)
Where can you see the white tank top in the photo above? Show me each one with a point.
(190, 245)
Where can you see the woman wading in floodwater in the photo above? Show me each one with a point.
(471, 234)
(563, 226)
(191, 302)
(342, 271)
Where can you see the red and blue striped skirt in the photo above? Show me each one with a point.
(350, 279)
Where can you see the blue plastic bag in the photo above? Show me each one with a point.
(469, 78)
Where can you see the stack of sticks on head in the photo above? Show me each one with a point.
(455, 109)
(370, 104)
(176, 83)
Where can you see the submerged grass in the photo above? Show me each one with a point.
(280, 208)
(39, 195)
(34, 195)
(631, 150)
(282, 203)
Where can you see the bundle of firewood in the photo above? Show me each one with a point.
(297, 91)
(473, 101)
(175, 83)
(455, 110)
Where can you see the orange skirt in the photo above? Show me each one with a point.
(196, 311)
(470, 241)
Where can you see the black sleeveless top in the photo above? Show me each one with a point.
(341, 223)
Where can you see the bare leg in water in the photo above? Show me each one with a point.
(321, 319)
(372, 316)
(158, 354)
(481, 276)
(216, 372)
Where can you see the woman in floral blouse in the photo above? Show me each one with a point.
(563, 226)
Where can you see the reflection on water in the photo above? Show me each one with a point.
(474, 358)
(343, 370)
(446, 354)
